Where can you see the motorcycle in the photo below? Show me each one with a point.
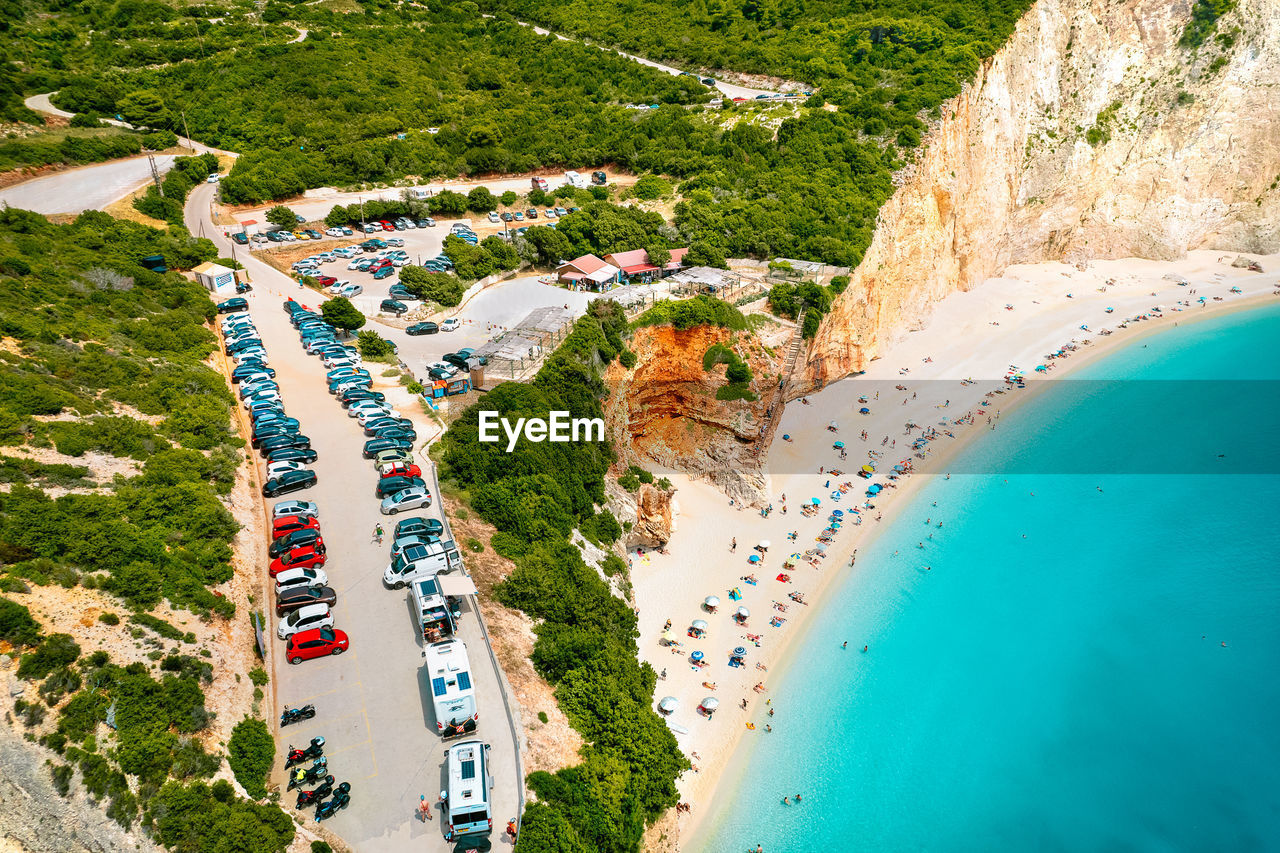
(341, 797)
(296, 715)
(317, 794)
(297, 756)
(303, 776)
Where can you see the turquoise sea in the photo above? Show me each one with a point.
(1109, 682)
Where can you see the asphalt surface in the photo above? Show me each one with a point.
(86, 188)
(372, 706)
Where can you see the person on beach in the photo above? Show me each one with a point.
(733, 546)
(424, 808)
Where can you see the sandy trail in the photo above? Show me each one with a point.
(970, 335)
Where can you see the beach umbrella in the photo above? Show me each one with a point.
(834, 425)
(874, 490)
(839, 445)
(743, 613)
(864, 411)
(899, 468)
(754, 558)
(814, 501)
(739, 651)
(764, 543)
(668, 636)
(870, 469)
(709, 704)
(696, 657)
(711, 602)
(837, 512)
(668, 704)
(786, 436)
(699, 625)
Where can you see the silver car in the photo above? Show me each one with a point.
(415, 498)
(305, 509)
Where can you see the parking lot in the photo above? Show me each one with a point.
(373, 707)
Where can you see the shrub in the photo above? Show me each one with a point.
(373, 345)
(62, 778)
(17, 627)
(108, 618)
(282, 217)
(258, 676)
(651, 187)
(251, 753)
(58, 650)
(339, 312)
(475, 545)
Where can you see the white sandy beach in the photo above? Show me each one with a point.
(970, 336)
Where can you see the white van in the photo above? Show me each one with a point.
(575, 180)
(452, 694)
(467, 811)
(304, 619)
(420, 561)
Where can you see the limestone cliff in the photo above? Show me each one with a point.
(665, 409)
(1091, 134)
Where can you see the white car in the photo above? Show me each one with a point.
(493, 216)
(267, 396)
(295, 578)
(444, 367)
(355, 263)
(275, 469)
(305, 509)
(450, 325)
(333, 232)
(256, 352)
(414, 498)
(367, 415)
(349, 290)
(342, 361)
(361, 405)
(304, 619)
(549, 213)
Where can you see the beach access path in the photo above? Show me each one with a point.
(972, 335)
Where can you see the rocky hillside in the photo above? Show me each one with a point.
(1092, 134)
(665, 410)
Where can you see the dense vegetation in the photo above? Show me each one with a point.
(77, 148)
(107, 356)
(1204, 19)
(186, 173)
(439, 90)
(586, 636)
(789, 300)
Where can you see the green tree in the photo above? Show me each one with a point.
(373, 345)
(659, 256)
(509, 198)
(16, 625)
(144, 107)
(251, 752)
(283, 217)
(339, 312)
(481, 200)
(651, 187)
(438, 287)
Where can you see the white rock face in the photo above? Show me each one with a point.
(1183, 156)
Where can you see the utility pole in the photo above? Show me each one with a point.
(187, 130)
(155, 174)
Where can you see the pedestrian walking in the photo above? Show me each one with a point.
(424, 808)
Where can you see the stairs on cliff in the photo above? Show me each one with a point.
(793, 354)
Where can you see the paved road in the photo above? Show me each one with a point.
(86, 188)
(731, 89)
(371, 706)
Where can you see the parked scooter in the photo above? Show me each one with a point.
(296, 715)
(317, 794)
(297, 756)
(304, 776)
(341, 797)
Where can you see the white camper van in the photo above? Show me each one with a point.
(420, 561)
(467, 809)
(452, 693)
(435, 620)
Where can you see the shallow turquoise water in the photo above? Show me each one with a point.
(1069, 690)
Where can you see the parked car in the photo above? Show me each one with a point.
(441, 372)
(599, 178)
(374, 446)
(392, 485)
(298, 558)
(385, 272)
(316, 643)
(493, 216)
(371, 427)
(394, 456)
(295, 578)
(506, 216)
(396, 432)
(275, 469)
(236, 303)
(419, 526)
(283, 525)
(399, 470)
(296, 597)
(278, 441)
(355, 395)
(240, 238)
(303, 537)
(292, 454)
(450, 324)
(305, 618)
(301, 509)
(414, 498)
(427, 223)
(391, 306)
(531, 213)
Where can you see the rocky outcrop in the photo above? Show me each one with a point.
(665, 409)
(653, 525)
(1091, 134)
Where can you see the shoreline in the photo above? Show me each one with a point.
(717, 743)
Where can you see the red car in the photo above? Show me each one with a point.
(289, 523)
(379, 264)
(326, 280)
(306, 557)
(403, 471)
(316, 643)
(387, 226)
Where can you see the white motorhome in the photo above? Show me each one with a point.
(452, 693)
(575, 180)
(420, 561)
(467, 809)
(435, 619)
